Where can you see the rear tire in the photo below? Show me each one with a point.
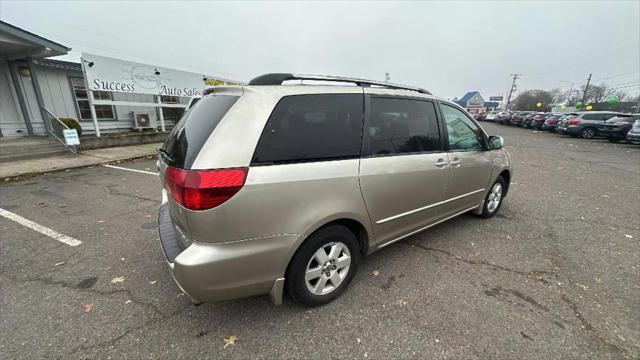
(323, 266)
(494, 198)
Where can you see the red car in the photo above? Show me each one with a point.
(550, 123)
(516, 118)
(526, 120)
(480, 116)
(538, 120)
(504, 117)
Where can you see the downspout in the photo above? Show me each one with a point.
(20, 94)
(39, 98)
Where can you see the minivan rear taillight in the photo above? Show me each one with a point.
(203, 189)
(575, 121)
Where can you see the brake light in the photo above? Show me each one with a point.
(575, 121)
(203, 189)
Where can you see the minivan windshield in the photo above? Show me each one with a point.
(189, 135)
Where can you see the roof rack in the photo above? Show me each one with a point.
(279, 78)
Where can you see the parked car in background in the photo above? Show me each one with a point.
(480, 116)
(561, 127)
(538, 119)
(526, 120)
(516, 119)
(491, 116)
(551, 122)
(586, 124)
(503, 117)
(292, 197)
(633, 136)
(616, 128)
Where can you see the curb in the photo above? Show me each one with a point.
(21, 177)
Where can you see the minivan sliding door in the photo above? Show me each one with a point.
(403, 169)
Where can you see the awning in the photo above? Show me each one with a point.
(16, 43)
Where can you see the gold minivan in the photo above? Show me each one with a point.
(287, 182)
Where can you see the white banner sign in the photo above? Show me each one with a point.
(109, 74)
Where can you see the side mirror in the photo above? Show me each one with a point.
(496, 142)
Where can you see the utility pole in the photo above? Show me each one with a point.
(513, 86)
(586, 88)
(387, 77)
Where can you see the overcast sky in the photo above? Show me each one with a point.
(448, 48)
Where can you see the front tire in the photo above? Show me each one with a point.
(323, 266)
(493, 200)
(587, 133)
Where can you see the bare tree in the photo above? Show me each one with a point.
(527, 100)
(595, 93)
(619, 94)
(557, 95)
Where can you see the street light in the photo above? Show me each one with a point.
(570, 90)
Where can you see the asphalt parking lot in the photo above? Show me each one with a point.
(555, 275)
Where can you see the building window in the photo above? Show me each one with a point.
(103, 112)
(171, 114)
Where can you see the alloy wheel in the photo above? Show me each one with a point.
(587, 133)
(495, 196)
(327, 268)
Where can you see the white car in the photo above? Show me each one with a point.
(491, 116)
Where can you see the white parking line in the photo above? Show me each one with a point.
(41, 229)
(134, 170)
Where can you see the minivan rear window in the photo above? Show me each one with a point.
(189, 135)
(317, 127)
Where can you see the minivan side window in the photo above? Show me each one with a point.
(317, 127)
(464, 134)
(402, 126)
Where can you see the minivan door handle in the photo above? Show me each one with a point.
(441, 163)
(456, 162)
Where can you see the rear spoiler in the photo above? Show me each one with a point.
(224, 90)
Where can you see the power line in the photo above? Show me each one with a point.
(623, 84)
(615, 76)
(636, 85)
(599, 54)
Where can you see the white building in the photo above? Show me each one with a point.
(31, 84)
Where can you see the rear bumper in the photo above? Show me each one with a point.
(222, 271)
(573, 130)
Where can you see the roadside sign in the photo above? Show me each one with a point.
(110, 74)
(496, 98)
(71, 137)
